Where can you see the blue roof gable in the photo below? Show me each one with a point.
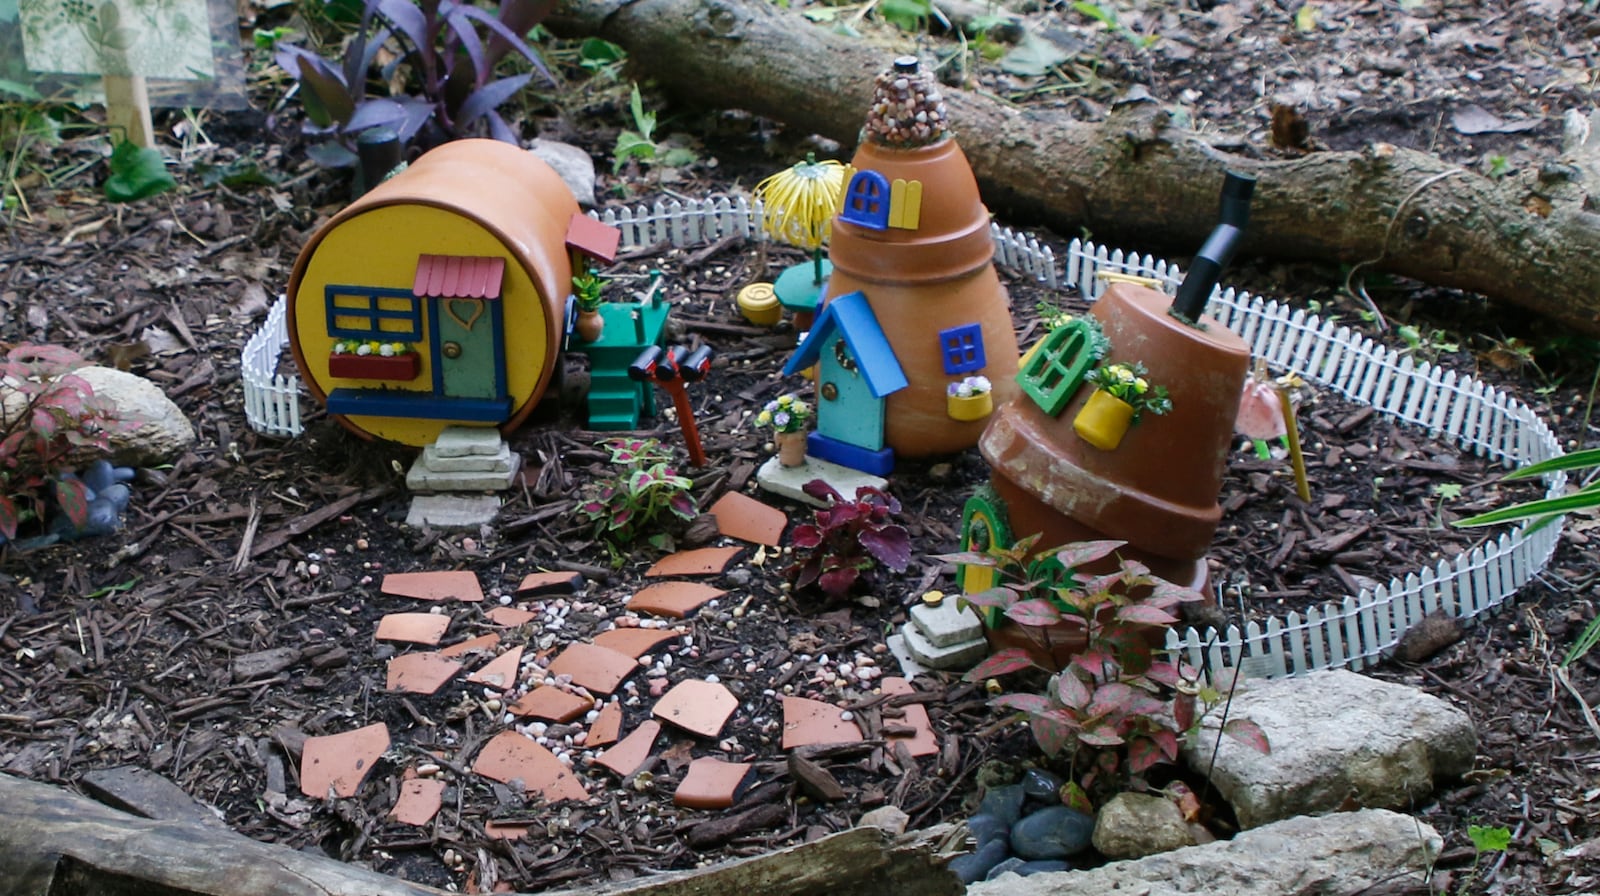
(852, 317)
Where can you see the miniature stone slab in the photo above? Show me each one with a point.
(451, 511)
(421, 673)
(510, 617)
(420, 799)
(606, 728)
(421, 478)
(673, 599)
(626, 757)
(809, 723)
(924, 742)
(414, 628)
(593, 668)
(743, 517)
(481, 644)
(635, 642)
(459, 584)
(698, 562)
(500, 672)
(945, 625)
(789, 482)
(467, 463)
(536, 584)
(337, 763)
(1334, 735)
(510, 756)
(908, 663)
(552, 704)
(696, 706)
(711, 784)
(467, 441)
(957, 656)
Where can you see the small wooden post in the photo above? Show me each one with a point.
(128, 109)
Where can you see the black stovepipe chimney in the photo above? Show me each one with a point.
(1197, 285)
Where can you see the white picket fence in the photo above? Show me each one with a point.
(1353, 631)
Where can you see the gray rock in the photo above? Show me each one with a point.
(1040, 784)
(1135, 825)
(1009, 865)
(153, 429)
(984, 827)
(1334, 736)
(974, 865)
(1052, 833)
(1346, 852)
(573, 164)
(1004, 803)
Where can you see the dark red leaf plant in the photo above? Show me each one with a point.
(847, 539)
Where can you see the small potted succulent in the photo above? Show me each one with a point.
(586, 293)
(788, 417)
(969, 399)
(374, 360)
(1121, 396)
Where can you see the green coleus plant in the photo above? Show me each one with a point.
(644, 495)
(1120, 706)
(847, 539)
(49, 417)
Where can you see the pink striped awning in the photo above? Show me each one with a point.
(458, 277)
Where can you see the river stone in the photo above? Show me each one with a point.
(1052, 833)
(1009, 865)
(1134, 825)
(1040, 784)
(1335, 736)
(1004, 803)
(974, 865)
(984, 827)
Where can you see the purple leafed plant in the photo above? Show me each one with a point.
(48, 415)
(450, 52)
(847, 539)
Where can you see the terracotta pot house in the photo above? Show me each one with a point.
(912, 259)
(443, 296)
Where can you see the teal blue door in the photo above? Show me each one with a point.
(846, 409)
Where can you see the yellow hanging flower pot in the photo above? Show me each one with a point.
(969, 399)
(1104, 420)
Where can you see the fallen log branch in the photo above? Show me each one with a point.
(1135, 179)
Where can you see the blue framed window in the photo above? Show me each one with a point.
(373, 312)
(866, 201)
(962, 348)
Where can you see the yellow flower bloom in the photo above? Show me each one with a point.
(764, 419)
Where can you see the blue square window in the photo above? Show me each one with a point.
(962, 348)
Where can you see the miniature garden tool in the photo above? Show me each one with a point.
(674, 368)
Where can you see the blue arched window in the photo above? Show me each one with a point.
(866, 201)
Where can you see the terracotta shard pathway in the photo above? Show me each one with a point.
(419, 801)
(698, 562)
(743, 517)
(673, 599)
(596, 669)
(535, 584)
(483, 643)
(711, 784)
(552, 704)
(635, 642)
(626, 757)
(606, 726)
(511, 617)
(341, 761)
(416, 628)
(500, 672)
(698, 707)
(924, 742)
(421, 673)
(510, 756)
(811, 722)
(442, 585)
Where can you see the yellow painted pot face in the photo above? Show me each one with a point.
(380, 248)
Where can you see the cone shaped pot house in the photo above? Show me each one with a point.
(1062, 470)
(913, 304)
(441, 297)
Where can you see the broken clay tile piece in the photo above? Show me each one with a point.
(711, 784)
(698, 562)
(698, 707)
(552, 705)
(339, 762)
(743, 517)
(485, 643)
(606, 727)
(635, 642)
(535, 584)
(421, 673)
(461, 584)
(420, 799)
(510, 756)
(509, 830)
(511, 617)
(924, 742)
(500, 672)
(626, 757)
(416, 628)
(595, 669)
(673, 599)
(809, 722)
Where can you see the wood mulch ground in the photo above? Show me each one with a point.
(127, 650)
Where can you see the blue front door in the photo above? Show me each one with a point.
(846, 409)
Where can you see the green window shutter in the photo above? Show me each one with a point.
(1055, 370)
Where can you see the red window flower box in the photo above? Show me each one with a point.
(375, 367)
